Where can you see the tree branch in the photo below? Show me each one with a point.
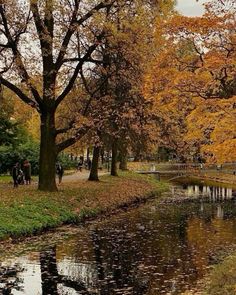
(13, 45)
(18, 92)
(70, 141)
(64, 130)
(75, 59)
(74, 24)
(91, 93)
(75, 74)
(41, 30)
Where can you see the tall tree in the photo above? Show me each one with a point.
(50, 39)
(125, 115)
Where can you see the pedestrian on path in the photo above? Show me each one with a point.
(15, 174)
(59, 171)
(27, 171)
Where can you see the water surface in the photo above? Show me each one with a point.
(154, 249)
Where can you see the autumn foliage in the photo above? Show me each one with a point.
(193, 79)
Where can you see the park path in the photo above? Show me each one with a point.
(77, 176)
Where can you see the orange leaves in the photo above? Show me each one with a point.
(196, 61)
(212, 127)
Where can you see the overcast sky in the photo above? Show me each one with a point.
(190, 7)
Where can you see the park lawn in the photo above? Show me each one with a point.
(5, 179)
(25, 210)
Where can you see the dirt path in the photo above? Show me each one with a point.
(80, 176)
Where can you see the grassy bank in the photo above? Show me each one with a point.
(25, 211)
(220, 281)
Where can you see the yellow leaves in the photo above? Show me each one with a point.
(223, 152)
(212, 126)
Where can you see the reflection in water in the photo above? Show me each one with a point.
(148, 251)
(49, 274)
(220, 212)
(211, 192)
(9, 279)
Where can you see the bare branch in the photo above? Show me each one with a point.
(13, 45)
(75, 74)
(37, 20)
(75, 59)
(74, 24)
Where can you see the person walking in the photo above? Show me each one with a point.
(27, 171)
(15, 174)
(59, 171)
(80, 164)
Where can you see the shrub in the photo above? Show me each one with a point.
(10, 155)
(29, 150)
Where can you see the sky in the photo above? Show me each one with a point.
(190, 7)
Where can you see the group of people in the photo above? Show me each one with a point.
(21, 174)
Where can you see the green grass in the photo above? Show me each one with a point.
(5, 178)
(25, 210)
(222, 279)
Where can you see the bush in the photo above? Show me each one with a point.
(66, 161)
(10, 155)
(30, 151)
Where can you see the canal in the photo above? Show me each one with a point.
(158, 248)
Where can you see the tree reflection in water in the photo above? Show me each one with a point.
(9, 279)
(120, 274)
(147, 251)
(51, 278)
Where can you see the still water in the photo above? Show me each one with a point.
(154, 249)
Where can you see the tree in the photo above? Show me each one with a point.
(123, 113)
(212, 131)
(197, 63)
(52, 40)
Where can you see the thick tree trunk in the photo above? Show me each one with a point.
(94, 167)
(48, 153)
(123, 160)
(114, 159)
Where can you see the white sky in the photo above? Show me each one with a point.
(190, 7)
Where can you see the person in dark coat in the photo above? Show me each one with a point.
(27, 171)
(59, 171)
(15, 174)
(80, 164)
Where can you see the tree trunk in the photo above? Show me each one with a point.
(48, 153)
(114, 159)
(123, 160)
(87, 153)
(94, 167)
